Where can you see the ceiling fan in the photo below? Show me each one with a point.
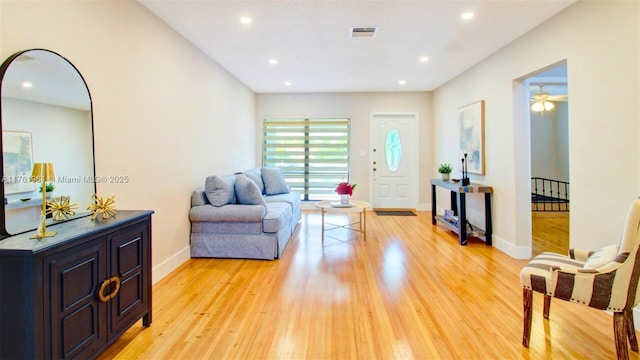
(543, 101)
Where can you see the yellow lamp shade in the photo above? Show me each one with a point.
(43, 172)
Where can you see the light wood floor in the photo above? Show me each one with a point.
(549, 232)
(408, 292)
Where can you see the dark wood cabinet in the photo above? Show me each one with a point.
(74, 309)
(72, 295)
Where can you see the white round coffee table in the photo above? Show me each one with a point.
(355, 206)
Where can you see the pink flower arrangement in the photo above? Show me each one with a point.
(345, 188)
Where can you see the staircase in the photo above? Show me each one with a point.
(549, 195)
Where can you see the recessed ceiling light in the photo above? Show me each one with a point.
(424, 59)
(246, 20)
(27, 85)
(467, 15)
(287, 83)
(273, 61)
(402, 82)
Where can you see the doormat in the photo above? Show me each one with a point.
(394, 213)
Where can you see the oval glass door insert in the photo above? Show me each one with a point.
(393, 150)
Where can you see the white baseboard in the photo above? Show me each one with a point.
(164, 268)
(516, 252)
(423, 207)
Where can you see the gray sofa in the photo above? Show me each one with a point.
(249, 215)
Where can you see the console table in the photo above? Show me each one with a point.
(459, 207)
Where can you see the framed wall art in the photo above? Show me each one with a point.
(17, 154)
(471, 136)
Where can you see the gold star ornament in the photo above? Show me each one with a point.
(60, 208)
(106, 208)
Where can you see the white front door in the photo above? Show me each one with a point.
(394, 160)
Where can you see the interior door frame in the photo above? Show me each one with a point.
(414, 118)
(535, 77)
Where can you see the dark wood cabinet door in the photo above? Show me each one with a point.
(71, 296)
(77, 316)
(130, 264)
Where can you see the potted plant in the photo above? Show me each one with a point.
(445, 170)
(49, 187)
(345, 190)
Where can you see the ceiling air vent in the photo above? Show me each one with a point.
(363, 31)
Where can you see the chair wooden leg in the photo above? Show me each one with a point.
(527, 301)
(547, 306)
(620, 333)
(631, 329)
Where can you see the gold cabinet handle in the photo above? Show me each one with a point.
(115, 292)
(101, 295)
(105, 284)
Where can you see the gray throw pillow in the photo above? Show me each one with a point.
(247, 191)
(274, 182)
(220, 190)
(256, 176)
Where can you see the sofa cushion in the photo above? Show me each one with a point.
(277, 216)
(256, 176)
(220, 190)
(247, 191)
(231, 212)
(198, 198)
(274, 182)
(291, 198)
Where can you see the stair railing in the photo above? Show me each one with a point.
(549, 195)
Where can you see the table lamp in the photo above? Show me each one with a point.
(43, 172)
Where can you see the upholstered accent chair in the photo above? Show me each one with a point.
(601, 281)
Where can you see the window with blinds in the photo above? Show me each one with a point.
(313, 153)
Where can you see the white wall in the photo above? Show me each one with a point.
(167, 116)
(562, 133)
(544, 144)
(550, 143)
(358, 107)
(164, 114)
(600, 41)
(51, 127)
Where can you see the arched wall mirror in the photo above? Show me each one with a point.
(45, 116)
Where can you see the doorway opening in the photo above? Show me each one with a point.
(549, 165)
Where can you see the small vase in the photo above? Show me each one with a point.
(344, 199)
(445, 177)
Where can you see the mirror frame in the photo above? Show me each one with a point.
(3, 69)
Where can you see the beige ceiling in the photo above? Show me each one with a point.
(310, 39)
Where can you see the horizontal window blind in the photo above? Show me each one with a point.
(313, 153)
